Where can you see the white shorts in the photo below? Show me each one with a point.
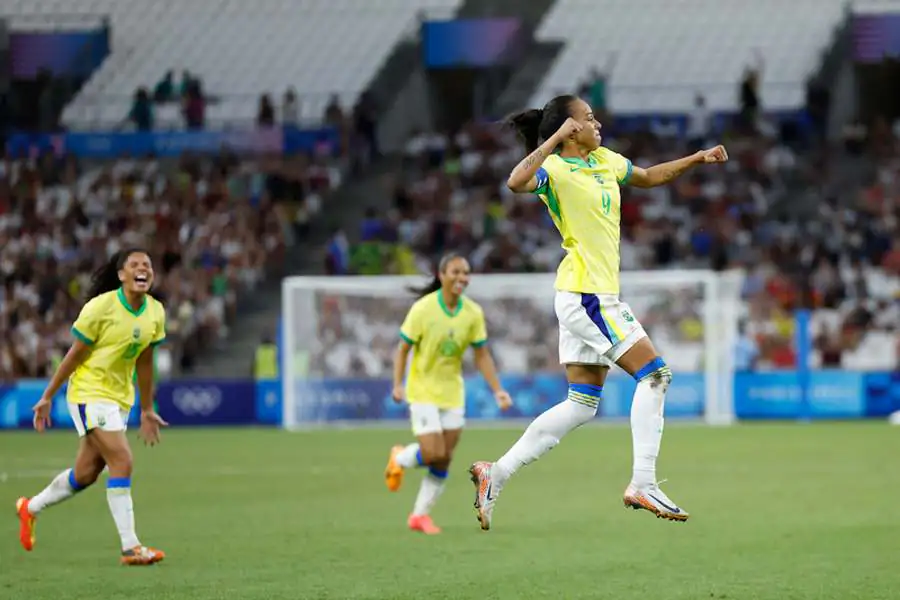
(428, 418)
(595, 329)
(106, 416)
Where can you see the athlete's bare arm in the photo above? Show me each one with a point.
(663, 173)
(522, 180)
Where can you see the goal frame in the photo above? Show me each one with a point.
(723, 287)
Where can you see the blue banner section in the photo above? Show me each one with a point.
(830, 394)
(363, 399)
(776, 395)
(108, 145)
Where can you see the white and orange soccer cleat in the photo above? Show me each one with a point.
(485, 492)
(654, 500)
(393, 473)
(26, 524)
(140, 556)
(422, 523)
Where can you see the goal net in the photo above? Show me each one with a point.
(340, 334)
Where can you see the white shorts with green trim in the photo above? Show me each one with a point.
(428, 418)
(103, 415)
(595, 329)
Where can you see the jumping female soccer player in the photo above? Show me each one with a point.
(440, 325)
(114, 335)
(579, 182)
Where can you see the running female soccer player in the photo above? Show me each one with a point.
(114, 335)
(441, 325)
(579, 182)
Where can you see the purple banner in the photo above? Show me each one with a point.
(471, 42)
(876, 37)
(69, 53)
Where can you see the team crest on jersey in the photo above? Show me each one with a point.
(449, 347)
(599, 178)
(136, 334)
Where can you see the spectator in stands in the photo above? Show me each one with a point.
(194, 107)
(165, 88)
(699, 126)
(265, 115)
(186, 81)
(337, 257)
(141, 113)
(334, 114)
(290, 108)
(749, 94)
(746, 350)
(366, 127)
(593, 91)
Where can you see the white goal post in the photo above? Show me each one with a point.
(339, 334)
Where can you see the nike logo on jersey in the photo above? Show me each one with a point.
(573, 169)
(672, 509)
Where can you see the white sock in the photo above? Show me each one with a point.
(647, 422)
(118, 495)
(430, 490)
(61, 488)
(409, 457)
(547, 430)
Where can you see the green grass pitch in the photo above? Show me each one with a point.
(779, 512)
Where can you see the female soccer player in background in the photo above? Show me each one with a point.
(114, 335)
(579, 182)
(440, 325)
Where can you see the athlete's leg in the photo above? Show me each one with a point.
(647, 420)
(582, 345)
(88, 466)
(435, 479)
(112, 444)
(428, 449)
(545, 432)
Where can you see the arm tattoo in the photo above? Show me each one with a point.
(532, 158)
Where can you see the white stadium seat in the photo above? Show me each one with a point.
(239, 49)
(670, 50)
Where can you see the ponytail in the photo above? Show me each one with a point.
(424, 290)
(537, 124)
(527, 125)
(106, 278)
(435, 283)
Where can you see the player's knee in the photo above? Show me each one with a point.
(656, 373)
(120, 464)
(435, 457)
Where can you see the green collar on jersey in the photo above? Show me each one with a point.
(574, 160)
(447, 311)
(124, 300)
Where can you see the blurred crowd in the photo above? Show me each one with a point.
(215, 228)
(801, 237)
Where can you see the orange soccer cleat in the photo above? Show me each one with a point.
(423, 523)
(26, 524)
(393, 473)
(142, 556)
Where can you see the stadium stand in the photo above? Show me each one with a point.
(216, 228)
(239, 50)
(689, 47)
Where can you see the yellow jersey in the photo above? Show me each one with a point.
(584, 202)
(440, 338)
(117, 334)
